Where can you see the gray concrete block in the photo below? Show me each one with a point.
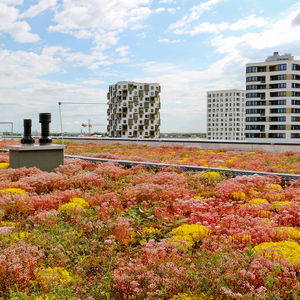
(46, 158)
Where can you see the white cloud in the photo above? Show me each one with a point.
(166, 40)
(242, 24)
(94, 82)
(43, 96)
(159, 10)
(100, 19)
(35, 10)
(20, 67)
(171, 10)
(12, 2)
(23, 92)
(123, 50)
(183, 91)
(250, 21)
(281, 33)
(10, 23)
(167, 1)
(183, 24)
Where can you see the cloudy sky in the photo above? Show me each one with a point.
(72, 50)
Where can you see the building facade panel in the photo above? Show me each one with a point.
(225, 114)
(273, 98)
(133, 110)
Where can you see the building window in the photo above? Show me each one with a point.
(277, 135)
(278, 102)
(277, 110)
(277, 127)
(282, 67)
(296, 67)
(295, 110)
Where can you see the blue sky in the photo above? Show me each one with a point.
(72, 50)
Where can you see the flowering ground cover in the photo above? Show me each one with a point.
(91, 231)
(286, 162)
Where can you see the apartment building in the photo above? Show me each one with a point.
(133, 110)
(225, 114)
(273, 99)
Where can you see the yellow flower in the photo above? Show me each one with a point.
(287, 250)
(14, 191)
(274, 187)
(20, 235)
(254, 192)
(8, 224)
(56, 275)
(15, 236)
(240, 238)
(258, 201)
(4, 166)
(185, 296)
(210, 175)
(45, 297)
(189, 234)
(149, 230)
(75, 203)
(80, 201)
(237, 196)
(292, 232)
(279, 204)
(263, 214)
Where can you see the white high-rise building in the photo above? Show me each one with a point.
(225, 114)
(273, 99)
(133, 110)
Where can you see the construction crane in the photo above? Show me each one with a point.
(89, 125)
(76, 103)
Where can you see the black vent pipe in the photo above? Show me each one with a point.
(45, 120)
(27, 138)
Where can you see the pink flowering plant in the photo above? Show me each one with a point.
(100, 231)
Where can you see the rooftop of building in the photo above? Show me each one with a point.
(277, 57)
(226, 91)
(134, 82)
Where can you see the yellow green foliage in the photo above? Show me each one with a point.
(292, 232)
(279, 204)
(8, 224)
(274, 187)
(211, 175)
(149, 230)
(45, 297)
(238, 238)
(185, 296)
(53, 276)
(287, 250)
(4, 166)
(238, 196)
(258, 201)
(189, 234)
(75, 203)
(15, 191)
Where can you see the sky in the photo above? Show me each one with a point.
(71, 51)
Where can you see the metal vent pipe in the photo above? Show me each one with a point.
(27, 138)
(45, 120)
